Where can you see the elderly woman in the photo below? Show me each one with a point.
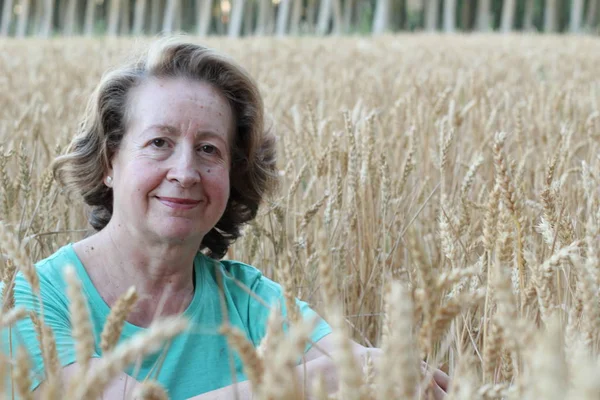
(173, 158)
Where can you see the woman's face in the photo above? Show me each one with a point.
(170, 175)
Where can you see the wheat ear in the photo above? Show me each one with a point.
(116, 319)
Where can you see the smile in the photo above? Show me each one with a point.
(179, 204)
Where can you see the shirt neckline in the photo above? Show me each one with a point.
(129, 329)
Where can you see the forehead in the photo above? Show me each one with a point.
(180, 102)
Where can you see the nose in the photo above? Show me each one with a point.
(183, 170)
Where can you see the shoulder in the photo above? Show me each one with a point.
(50, 271)
(233, 271)
(52, 268)
(239, 277)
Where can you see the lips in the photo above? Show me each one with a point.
(179, 203)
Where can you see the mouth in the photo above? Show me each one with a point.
(179, 203)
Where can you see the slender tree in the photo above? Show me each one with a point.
(155, 11)
(69, 27)
(235, 24)
(591, 14)
(324, 17)
(114, 12)
(249, 17)
(203, 16)
(484, 22)
(264, 15)
(576, 16)
(311, 11)
(90, 17)
(348, 15)
(47, 18)
(336, 10)
(431, 15)
(466, 13)
(7, 13)
(139, 17)
(125, 26)
(550, 16)
(23, 20)
(169, 17)
(508, 16)
(449, 16)
(528, 17)
(283, 17)
(296, 16)
(38, 15)
(381, 20)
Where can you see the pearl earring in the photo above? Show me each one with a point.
(109, 180)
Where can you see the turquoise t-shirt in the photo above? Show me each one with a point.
(196, 361)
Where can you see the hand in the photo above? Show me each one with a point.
(439, 384)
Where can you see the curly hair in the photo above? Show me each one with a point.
(252, 174)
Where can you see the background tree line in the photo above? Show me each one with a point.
(235, 18)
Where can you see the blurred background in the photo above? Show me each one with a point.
(237, 18)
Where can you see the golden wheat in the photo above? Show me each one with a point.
(458, 175)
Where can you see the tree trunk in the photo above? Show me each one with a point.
(483, 16)
(7, 13)
(113, 17)
(235, 23)
(283, 15)
(23, 19)
(311, 15)
(90, 15)
(348, 14)
(296, 16)
(203, 17)
(125, 27)
(248, 28)
(431, 15)
(178, 23)
(264, 11)
(70, 13)
(324, 17)
(155, 11)
(169, 18)
(591, 14)
(381, 19)
(465, 16)
(336, 11)
(576, 16)
(550, 16)
(38, 13)
(449, 16)
(47, 19)
(508, 16)
(139, 17)
(528, 17)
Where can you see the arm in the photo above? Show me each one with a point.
(124, 386)
(307, 371)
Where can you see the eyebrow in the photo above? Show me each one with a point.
(170, 129)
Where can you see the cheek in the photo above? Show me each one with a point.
(217, 181)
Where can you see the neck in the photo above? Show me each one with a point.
(162, 273)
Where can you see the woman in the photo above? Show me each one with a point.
(173, 159)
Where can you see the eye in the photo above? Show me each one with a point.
(159, 142)
(208, 149)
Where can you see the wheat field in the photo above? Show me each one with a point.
(439, 199)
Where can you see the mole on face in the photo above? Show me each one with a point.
(208, 171)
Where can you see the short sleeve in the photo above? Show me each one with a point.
(272, 294)
(23, 333)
